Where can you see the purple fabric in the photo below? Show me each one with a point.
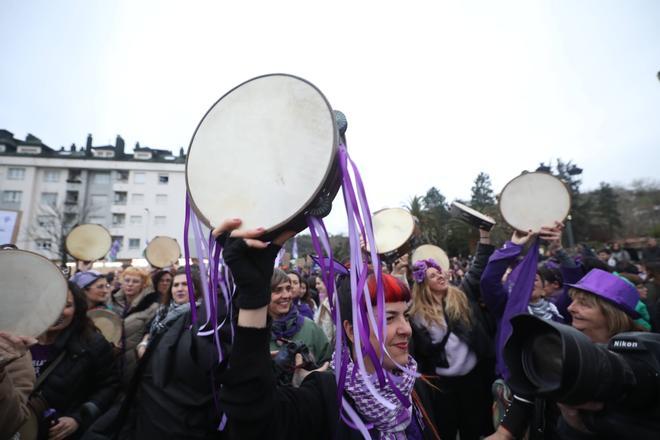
(41, 354)
(288, 325)
(186, 254)
(304, 309)
(420, 267)
(611, 288)
(339, 269)
(84, 279)
(522, 282)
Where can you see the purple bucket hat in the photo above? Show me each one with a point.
(84, 279)
(611, 288)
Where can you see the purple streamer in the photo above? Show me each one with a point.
(186, 254)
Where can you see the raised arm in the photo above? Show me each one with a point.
(470, 284)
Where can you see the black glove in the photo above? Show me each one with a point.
(252, 270)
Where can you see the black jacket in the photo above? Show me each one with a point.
(87, 374)
(258, 409)
(478, 337)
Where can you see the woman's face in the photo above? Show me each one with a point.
(436, 280)
(320, 286)
(180, 289)
(66, 316)
(538, 290)
(131, 285)
(589, 319)
(303, 289)
(164, 284)
(397, 335)
(280, 300)
(643, 291)
(295, 285)
(98, 291)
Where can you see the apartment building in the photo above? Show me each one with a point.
(136, 196)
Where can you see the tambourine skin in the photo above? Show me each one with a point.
(33, 292)
(162, 252)
(88, 242)
(395, 232)
(427, 251)
(108, 323)
(265, 152)
(533, 200)
(471, 217)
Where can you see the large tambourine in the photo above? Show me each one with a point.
(426, 251)
(88, 242)
(266, 152)
(32, 292)
(471, 216)
(394, 231)
(162, 252)
(108, 323)
(533, 200)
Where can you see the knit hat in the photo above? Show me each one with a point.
(84, 279)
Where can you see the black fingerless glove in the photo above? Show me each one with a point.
(252, 270)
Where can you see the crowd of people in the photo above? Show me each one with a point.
(437, 370)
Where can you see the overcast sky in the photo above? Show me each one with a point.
(434, 92)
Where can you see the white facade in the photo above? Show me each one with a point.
(135, 200)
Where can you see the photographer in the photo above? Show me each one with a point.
(603, 305)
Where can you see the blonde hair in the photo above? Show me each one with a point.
(135, 272)
(616, 320)
(427, 305)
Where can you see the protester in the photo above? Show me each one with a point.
(95, 286)
(76, 372)
(305, 306)
(258, 409)
(136, 303)
(452, 344)
(162, 281)
(323, 315)
(652, 251)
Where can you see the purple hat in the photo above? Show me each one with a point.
(84, 279)
(610, 287)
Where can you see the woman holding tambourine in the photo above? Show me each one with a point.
(452, 345)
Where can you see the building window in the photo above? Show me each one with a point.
(139, 177)
(16, 174)
(70, 218)
(44, 244)
(160, 220)
(136, 219)
(118, 239)
(12, 196)
(28, 150)
(71, 198)
(45, 220)
(118, 219)
(143, 155)
(137, 199)
(161, 199)
(163, 179)
(49, 199)
(101, 178)
(52, 176)
(122, 176)
(134, 243)
(99, 199)
(121, 197)
(98, 219)
(74, 176)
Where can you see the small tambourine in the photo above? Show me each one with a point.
(426, 251)
(471, 217)
(394, 231)
(162, 252)
(108, 323)
(88, 242)
(33, 292)
(533, 200)
(266, 152)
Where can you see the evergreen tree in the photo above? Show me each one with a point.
(482, 193)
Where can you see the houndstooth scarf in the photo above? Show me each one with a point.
(391, 424)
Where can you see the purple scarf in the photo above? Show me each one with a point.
(288, 325)
(390, 423)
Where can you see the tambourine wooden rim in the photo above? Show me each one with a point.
(33, 293)
(322, 187)
(524, 206)
(162, 251)
(108, 323)
(394, 230)
(88, 242)
(427, 251)
(471, 216)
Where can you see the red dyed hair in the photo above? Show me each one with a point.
(395, 290)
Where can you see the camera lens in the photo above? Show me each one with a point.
(542, 361)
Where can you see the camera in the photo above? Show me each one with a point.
(284, 361)
(559, 363)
